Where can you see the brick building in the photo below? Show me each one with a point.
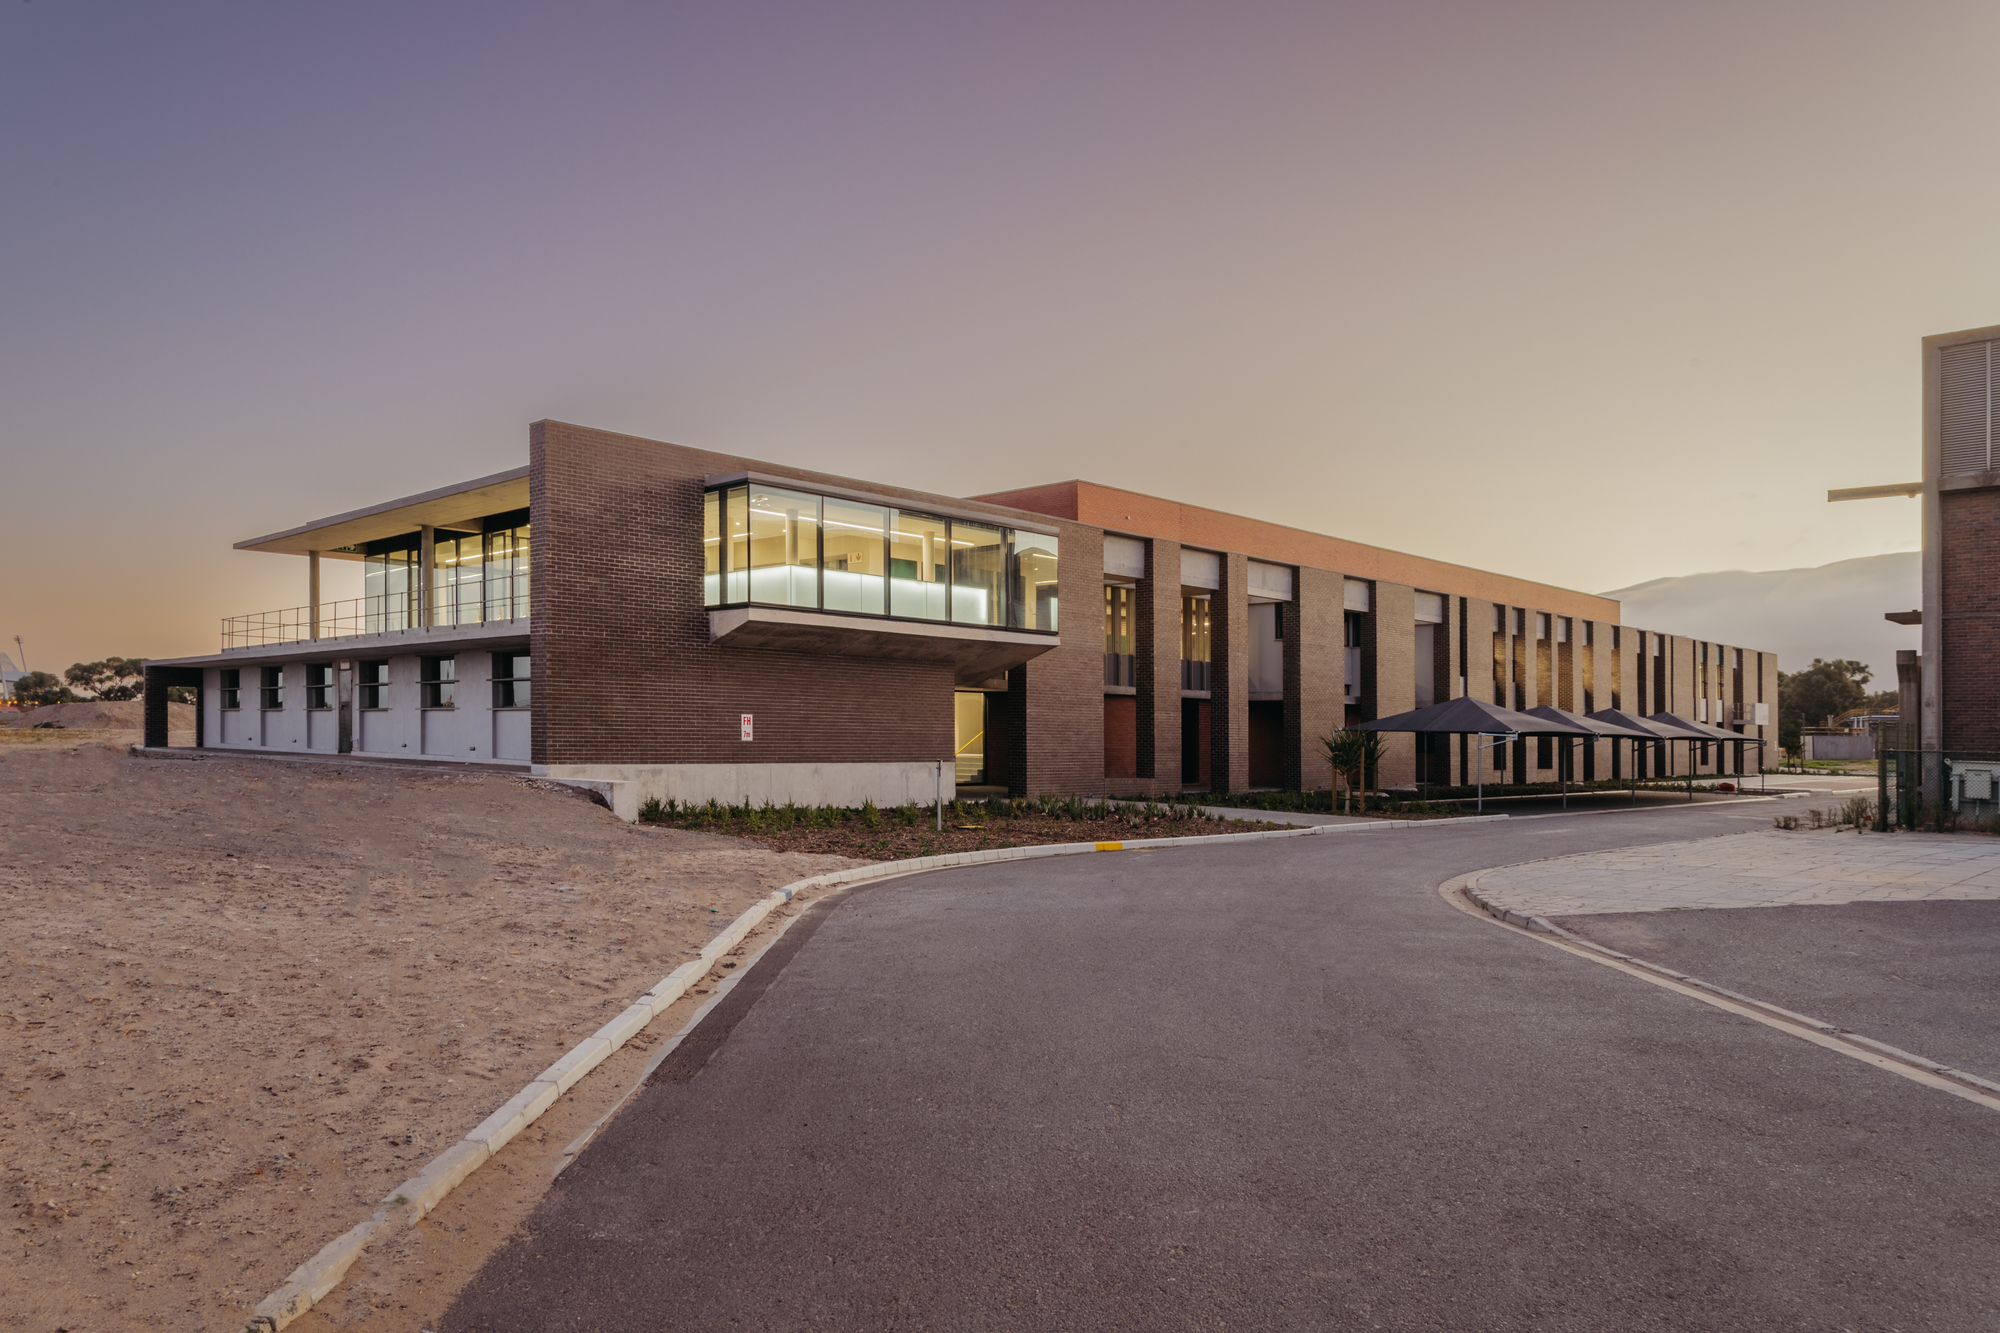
(1950, 689)
(673, 623)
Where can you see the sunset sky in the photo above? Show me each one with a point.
(1586, 293)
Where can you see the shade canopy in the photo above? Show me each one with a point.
(1470, 717)
(1595, 724)
(1676, 727)
(1638, 728)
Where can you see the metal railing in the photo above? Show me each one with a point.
(389, 614)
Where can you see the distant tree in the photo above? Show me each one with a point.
(1882, 701)
(114, 679)
(37, 688)
(1824, 689)
(183, 694)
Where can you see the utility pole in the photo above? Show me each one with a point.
(22, 651)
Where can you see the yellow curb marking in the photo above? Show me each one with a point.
(1110, 846)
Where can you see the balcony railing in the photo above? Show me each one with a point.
(391, 614)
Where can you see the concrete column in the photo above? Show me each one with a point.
(1315, 674)
(1229, 677)
(312, 593)
(1393, 625)
(426, 556)
(1156, 665)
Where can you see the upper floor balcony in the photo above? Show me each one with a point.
(498, 613)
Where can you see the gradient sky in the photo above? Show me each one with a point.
(1586, 293)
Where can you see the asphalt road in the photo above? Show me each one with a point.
(1918, 975)
(1278, 1085)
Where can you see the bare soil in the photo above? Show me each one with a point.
(99, 715)
(242, 999)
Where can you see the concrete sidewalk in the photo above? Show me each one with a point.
(1769, 868)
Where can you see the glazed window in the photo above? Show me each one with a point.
(775, 546)
(439, 680)
(510, 680)
(232, 689)
(271, 690)
(375, 684)
(319, 685)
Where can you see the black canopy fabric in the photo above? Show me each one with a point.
(1680, 729)
(1596, 724)
(1466, 716)
(1638, 728)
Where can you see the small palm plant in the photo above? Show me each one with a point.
(1353, 755)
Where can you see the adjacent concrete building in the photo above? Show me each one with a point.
(673, 623)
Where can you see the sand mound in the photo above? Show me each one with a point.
(97, 715)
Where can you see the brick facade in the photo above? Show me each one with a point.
(1969, 568)
(625, 672)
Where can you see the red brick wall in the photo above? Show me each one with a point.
(1121, 736)
(1057, 713)
(1969, 551)
(624, 670)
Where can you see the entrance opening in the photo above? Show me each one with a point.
(969, 737)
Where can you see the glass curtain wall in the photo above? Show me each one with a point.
(1033, 604)
(918, 564)
(793, 548)
(389, 584)
(978, 574)
(456, 593)
(475, 577)
(506, 574)
(783, 546)
(853, 561)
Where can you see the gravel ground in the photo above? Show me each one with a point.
(241, 1000)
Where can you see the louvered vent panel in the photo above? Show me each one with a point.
(1965, 425)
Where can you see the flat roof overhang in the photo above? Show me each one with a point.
(975, 652)
(341, 536)
(438, 639)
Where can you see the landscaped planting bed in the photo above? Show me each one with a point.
(901, 832)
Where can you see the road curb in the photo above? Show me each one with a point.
(409, 1202)
(1982, 1090)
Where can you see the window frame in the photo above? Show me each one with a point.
(271, 697)
(511, 684)
(369, 687)
(437, 682)
(317, 692)
(230, 686)
(719, 502)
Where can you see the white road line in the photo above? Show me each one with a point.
(1868, 1052)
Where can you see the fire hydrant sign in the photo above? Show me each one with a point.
(746, 725)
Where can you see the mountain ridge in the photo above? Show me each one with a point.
(1831, 610)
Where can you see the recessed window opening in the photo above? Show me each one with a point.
(319, 686)
(374, 682)
(510, 679)
(440, 682)
(271, 690)
(232, 688)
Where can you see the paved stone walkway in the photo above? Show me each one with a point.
(1763, 869)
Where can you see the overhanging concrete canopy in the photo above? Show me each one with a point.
(340, 536)
(976, 652)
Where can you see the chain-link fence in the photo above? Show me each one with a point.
(1934, 790)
